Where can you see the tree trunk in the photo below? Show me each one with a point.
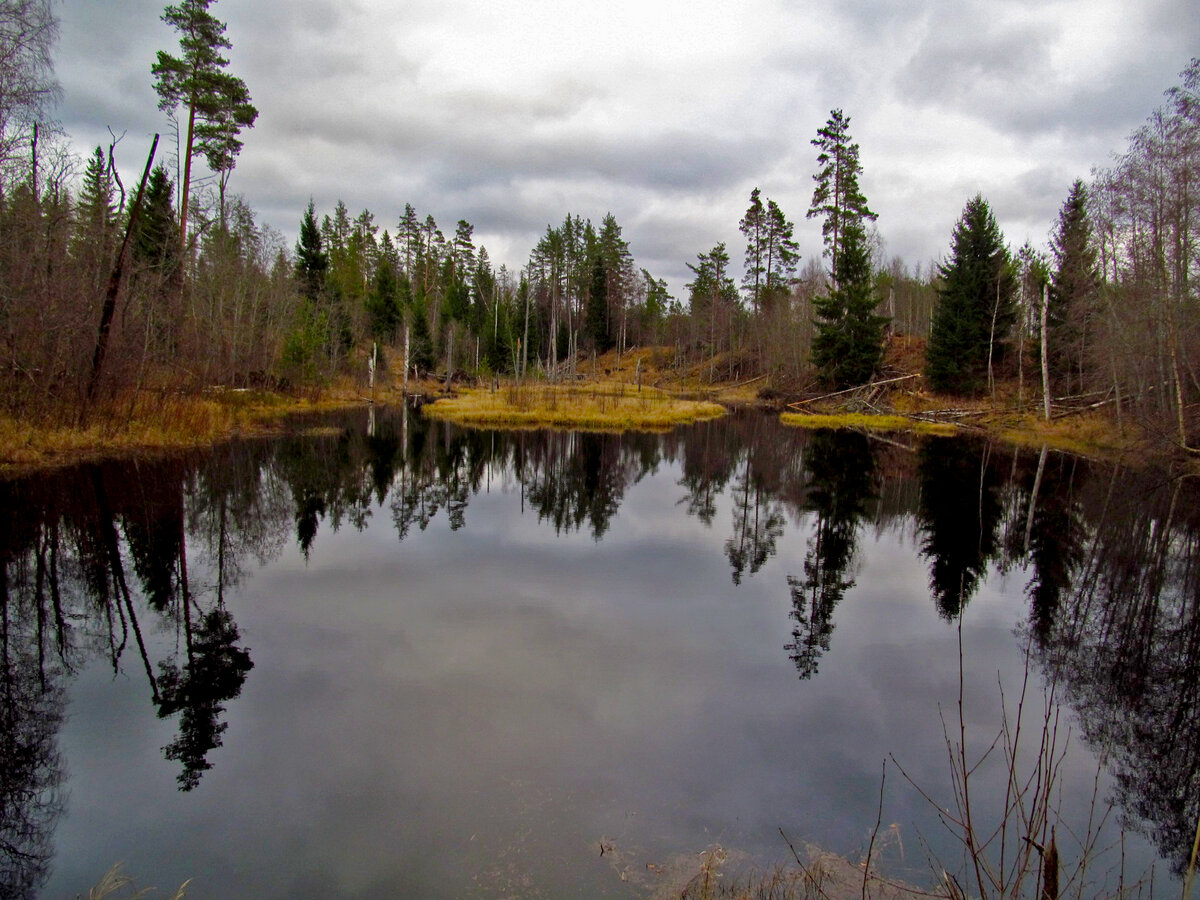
(1045, 351)
(992, 341)
(114, 284)
(403, 388)
(185, 188)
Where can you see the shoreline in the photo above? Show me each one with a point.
(150, 425)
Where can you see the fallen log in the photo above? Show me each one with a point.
(871, 384)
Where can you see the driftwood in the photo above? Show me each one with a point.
(744, 383)
(861, 387)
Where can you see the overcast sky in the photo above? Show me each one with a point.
(665, 112)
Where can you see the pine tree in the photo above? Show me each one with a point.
(848, 345)
(781, 254)
(1074, 285)
(217, 103)
(975, 304)
(754, 227)
(837, 197)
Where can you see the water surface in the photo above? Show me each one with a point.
(396, 659)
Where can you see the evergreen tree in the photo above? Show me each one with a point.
(714, 298)
(311, 260)
(754, 227)
(596, 313)
(217, 103)
(154, 244)
(1074, 285)
(420, 348)
(408, 239)
(463, 249)
(383, 302)
(848, 345)
(837, 197)
(95, 221)
(975, 304)
(781, 254)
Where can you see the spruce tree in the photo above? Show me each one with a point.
(312, 262)
(596, 312)
(95, 221)
(154, 245)
(383, 302)
(1074, 285)
(848, 345)
(975, 308)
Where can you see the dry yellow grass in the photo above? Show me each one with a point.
(1086, 435)
(608, 407)
(869, 422)
(148, 422)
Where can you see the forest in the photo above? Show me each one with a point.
(117, 285)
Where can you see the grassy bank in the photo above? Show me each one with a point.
(150, 422)
(597, 407)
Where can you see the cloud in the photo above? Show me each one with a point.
(664, 112)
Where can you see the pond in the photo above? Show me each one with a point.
(380, 658)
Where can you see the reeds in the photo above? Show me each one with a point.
(116, 884)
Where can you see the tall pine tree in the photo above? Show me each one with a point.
(217, 103)
(848, 344)
(837, 197)
(754, 227)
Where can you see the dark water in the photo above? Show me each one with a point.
(432, 662)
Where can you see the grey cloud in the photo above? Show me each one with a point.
(958, 63)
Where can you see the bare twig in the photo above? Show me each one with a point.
(874, 831)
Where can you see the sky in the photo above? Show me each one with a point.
(666, 113)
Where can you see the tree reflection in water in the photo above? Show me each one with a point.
(842, 475)
(93, 557)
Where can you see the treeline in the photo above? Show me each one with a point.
(109, 289)
(440, 301)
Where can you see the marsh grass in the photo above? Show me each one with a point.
(597, 407)
(147, 421)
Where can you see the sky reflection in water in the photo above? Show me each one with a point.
(655, 643)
